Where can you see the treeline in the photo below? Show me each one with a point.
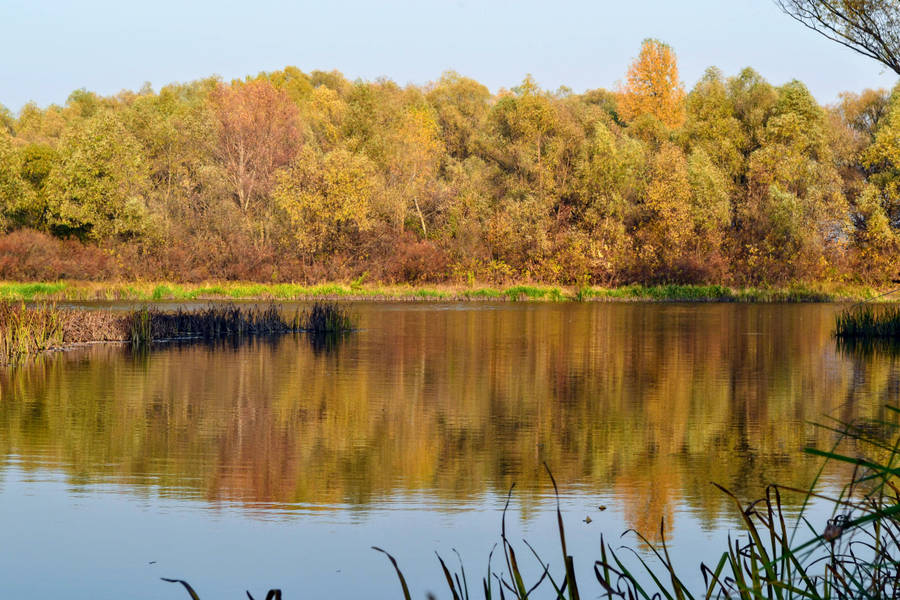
(306, 177)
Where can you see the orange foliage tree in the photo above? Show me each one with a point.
(652, 86)
(258, 134)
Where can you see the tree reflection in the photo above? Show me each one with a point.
(651, 402)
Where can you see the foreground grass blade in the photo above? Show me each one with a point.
(406, 595)
(186, 585)
(568, 561)
(272, 595)
(449, 577)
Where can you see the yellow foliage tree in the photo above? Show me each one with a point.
(326, 199)
(652, 86)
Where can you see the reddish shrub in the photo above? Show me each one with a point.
(414, 261)
(28, 255)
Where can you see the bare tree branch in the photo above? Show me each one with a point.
(869, 27)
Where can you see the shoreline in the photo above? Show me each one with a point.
(81, 291)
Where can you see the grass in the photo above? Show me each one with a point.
(325, 317)
(855, 554)
(866, 322)
(25, 331)
(165, 291)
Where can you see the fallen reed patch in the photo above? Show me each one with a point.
(869, 322)
(26, 331)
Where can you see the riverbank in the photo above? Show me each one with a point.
(155, 291)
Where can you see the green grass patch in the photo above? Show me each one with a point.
(168, 291)
(30, 291)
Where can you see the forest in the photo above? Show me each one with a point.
(289, 176)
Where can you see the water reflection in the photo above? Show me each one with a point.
(648, 403)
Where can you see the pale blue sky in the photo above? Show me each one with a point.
(51, 48)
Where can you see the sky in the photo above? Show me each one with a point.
(51, 48)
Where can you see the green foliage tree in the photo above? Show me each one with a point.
(98, 189)
(14, 191)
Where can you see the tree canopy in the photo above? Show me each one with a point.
(288, 175)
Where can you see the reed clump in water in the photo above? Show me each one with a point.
(25, 331)
(866, 322)
(326, 317)
(210, 323)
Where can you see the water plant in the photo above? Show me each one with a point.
(25, 331)
(326, 317)
(867, 322)
(273, 594)
(855, 554)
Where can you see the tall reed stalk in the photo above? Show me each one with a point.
(25, 331)
(867, 322)
(853, 555)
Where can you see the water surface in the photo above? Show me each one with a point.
(278, 463)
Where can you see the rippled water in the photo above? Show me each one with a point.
(278, 463)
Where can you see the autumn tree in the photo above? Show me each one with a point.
(611, 183)
(14, 192)
(98, 188)
(864, 111)
(652, 86)
(414, 163)
(882, 160)
(795, 216)
(523, 128)
(258, 133)
(461, 106)
(7, 120)
(37, 162)
(712, 123)
(666, 228)
(326, 200)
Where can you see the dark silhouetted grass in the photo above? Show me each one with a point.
(326, 317)
(868, 322)
(853, 555)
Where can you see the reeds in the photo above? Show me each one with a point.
(26, 331)
(866, 322)
(325, 317)
(209, 323)
(853, 555)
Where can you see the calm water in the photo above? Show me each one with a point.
(279, 463)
